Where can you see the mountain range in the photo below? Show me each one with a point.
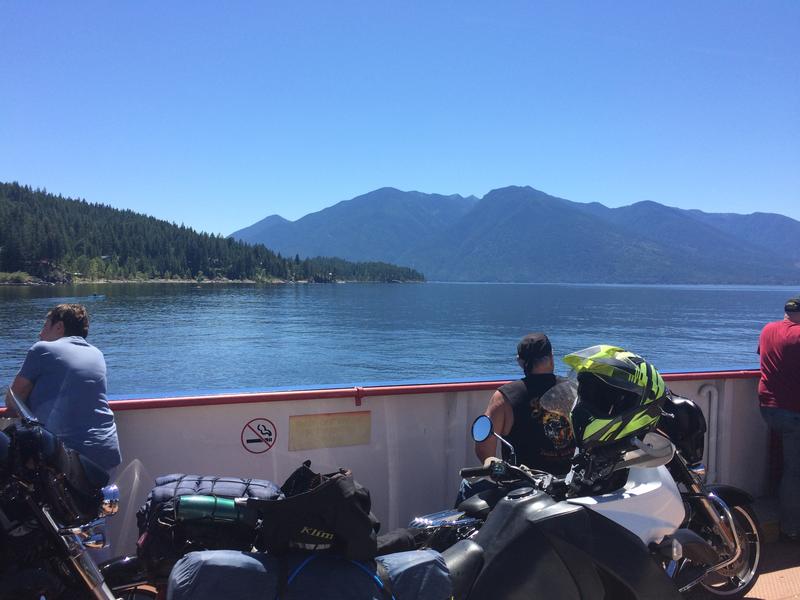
(520, 234)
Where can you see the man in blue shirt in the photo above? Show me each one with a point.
(63, 381)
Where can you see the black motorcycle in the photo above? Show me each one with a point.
(52, 504)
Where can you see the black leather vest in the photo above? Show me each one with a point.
(541, 439)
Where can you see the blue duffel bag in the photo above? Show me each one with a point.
(214, 574)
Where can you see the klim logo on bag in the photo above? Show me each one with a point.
(317, 533)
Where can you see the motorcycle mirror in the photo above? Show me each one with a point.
(21, 408)
(482, 428)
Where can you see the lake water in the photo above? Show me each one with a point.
(166, 339)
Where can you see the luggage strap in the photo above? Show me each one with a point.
(380, 576)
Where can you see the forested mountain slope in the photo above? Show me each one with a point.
(55, 237)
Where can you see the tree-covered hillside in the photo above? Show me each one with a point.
(50, 236)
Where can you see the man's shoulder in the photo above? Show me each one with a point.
(783, 328)
(42, 347)
(67, 346)
(530, 386)
(793, 332)
(517, 384)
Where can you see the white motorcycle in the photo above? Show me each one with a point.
(654, 489)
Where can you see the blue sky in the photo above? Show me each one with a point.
(219, 114)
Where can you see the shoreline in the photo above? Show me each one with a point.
(36, 282)
(187, 281)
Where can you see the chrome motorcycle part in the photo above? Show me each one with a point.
(676, 550)
(738, 576)
(726, 527)
(82, 563)
(450, 518)
(93, 535)
(699, 471)
(110, 502)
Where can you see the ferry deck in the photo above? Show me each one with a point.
(407, 444)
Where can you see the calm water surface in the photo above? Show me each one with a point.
(163, 339)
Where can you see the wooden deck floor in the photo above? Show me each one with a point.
(780, 574)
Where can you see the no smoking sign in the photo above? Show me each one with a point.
(258, 436)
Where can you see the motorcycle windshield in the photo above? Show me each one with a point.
(560, 398)
(22, 409)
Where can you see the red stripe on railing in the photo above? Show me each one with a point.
(712, 375)
(358, 393)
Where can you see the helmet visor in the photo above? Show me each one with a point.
(618, 368)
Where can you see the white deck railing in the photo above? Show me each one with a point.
(405, 443)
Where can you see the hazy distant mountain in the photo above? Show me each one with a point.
(381, 224)
(774, 233)
(262, 229)
(524, 235)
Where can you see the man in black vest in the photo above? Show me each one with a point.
(541, 439)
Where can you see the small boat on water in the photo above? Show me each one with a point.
(72, 299)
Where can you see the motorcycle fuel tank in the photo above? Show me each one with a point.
(649, 505)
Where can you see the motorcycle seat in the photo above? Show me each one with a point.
(464, 560)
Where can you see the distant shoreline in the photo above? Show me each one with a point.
(40, 283)
(465, 283)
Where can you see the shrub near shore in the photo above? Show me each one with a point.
(16, 277)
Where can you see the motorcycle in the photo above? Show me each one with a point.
(636, 521)
(53, 502)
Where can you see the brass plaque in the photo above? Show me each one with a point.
(330, 430)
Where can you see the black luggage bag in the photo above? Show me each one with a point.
(163, 538)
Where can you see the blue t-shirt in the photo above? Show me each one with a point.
(69, 397)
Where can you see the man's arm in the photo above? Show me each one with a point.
(502, 416)
(22, 389)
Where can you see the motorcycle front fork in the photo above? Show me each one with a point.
(714, 508)
(718, 515)
(74, 551)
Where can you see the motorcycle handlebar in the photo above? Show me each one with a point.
(501, 471)
(475, 472)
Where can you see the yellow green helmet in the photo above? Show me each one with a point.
(619, 395)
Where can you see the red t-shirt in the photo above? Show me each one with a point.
(779, 347)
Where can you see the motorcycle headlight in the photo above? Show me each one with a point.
(110, 502)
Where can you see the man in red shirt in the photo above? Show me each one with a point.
(779, 397)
